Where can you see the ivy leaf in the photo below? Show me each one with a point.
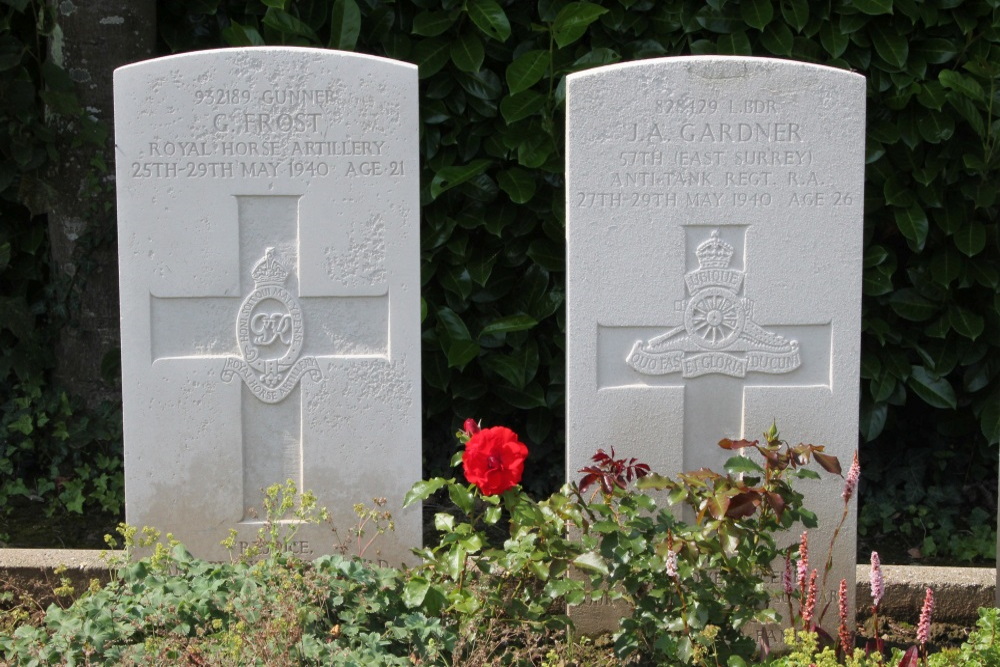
(935, 391)
(572, 21)
(873, 7)
(519, 184)
(448, 177)
(345, 25)
(527, 70)
(490, 18)
(467, 52)
(912, 222)
(757, 13)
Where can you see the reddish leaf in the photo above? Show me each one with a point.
(726, 443)
(587, 480)
(718, 506)
(911, 658)
(829, 463)
(776, 502)
(743, 505)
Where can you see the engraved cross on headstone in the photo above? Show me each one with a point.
(268, 338)
(717, 351)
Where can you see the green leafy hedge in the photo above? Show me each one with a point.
(492, 85)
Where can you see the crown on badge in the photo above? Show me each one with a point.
(714, 253)
(269, 270)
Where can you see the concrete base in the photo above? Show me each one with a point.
(958, 591)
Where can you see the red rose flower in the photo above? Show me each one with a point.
(494, 460)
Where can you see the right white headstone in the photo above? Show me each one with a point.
(714, 231)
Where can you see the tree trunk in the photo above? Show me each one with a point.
(91, 39)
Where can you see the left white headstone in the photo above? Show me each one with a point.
(268, 217)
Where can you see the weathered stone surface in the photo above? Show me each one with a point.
(268, 231)
(714, 225)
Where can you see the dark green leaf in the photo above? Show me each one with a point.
(834, 41)
(910, 305)
(519, 184)
(432, 24)
(989, 420)
(757, 13)
(509, 324)
(876, 283)
(891, 46)
(946, 266)
(287, 24)
(737, 44)
(796, 13)
(970, 239)
(241, 35)
(547, 254)
(963, 84)
(873, 420)
(490, 18)
(526, 70)
(449, 177)
(467, 52)
(873, 7)
(461, 352)
(431, 55)
(572, 21)
(345, 25)
(936, 50)
(778, 39)
(520, 106)
(912, 222)
(935, 391)
(965, 322)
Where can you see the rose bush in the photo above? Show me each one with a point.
(493, 460)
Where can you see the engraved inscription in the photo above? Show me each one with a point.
(718, 335)
(688, 155)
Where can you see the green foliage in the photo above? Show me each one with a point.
(58, 454)
(621, 544)
(492, 86)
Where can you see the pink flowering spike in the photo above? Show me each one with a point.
(846, 641)
(788, 579)
(671, 564)
(803, 564)
(809, 609)
(471, 427)
(924, 627)
(853, 475)
(877, 583)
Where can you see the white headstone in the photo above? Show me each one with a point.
(714, 225)
(268, 234)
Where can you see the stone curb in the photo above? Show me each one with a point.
(958, 591)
